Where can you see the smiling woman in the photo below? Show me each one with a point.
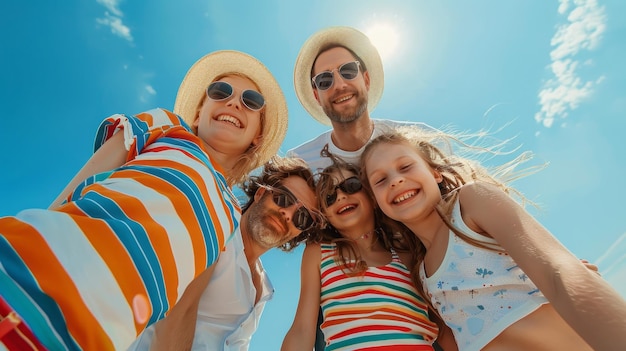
(384, 37)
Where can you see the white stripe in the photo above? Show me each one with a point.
(162, 212)
(93, 279)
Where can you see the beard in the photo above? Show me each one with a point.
(259, 227)
(347, 116)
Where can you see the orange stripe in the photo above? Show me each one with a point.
(211, 203)
(183, 209)
(54, 280)
(108, 246)
(157, 235)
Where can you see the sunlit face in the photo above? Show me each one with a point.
(346, 100)
(404, 185)
(227, 126)
(349, 211)
(269, 224)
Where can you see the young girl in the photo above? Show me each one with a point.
(150, 211)
(498, 278)
(362, 283)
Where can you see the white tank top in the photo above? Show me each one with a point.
(477, 291)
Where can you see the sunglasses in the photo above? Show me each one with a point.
(303, 219)
(348, 71)
(349, 186)
(219, 91)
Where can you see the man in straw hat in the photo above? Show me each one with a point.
(229, 306)
(151, 210)
(339, 79)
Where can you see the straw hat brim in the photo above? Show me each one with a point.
(350, 38)
(205, 70)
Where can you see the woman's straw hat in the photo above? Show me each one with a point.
(350, 38)
(193, 89)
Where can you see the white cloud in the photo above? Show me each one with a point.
(113, 19)
(566, 90)
(148, 91)
(112, 6)
(613, 265)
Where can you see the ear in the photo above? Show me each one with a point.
(259, 193)
(366, 77)
(257, 140)
(317, 96)
(438, 176)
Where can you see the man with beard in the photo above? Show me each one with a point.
(223, 305)
(339, 79)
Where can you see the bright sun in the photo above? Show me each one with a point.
(384, 37)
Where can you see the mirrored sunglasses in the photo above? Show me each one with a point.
(349, 186)
(303, 219)
(219, 91)
(325, 80)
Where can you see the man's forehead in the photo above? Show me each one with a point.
(332, 58)
(300, 189)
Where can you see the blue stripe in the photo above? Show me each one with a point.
(19, 288)
(135, 239)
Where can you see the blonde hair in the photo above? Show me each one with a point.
(250, 159)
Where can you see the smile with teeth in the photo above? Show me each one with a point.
(345, 98)
(229, 119)
(405, 196)
(345, 208)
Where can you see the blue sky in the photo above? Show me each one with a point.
(552, 71)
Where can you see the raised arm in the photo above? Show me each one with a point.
(111, 155)
(584, 300)
(301, 335)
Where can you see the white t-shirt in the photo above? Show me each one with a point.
(227, 315)
(310, 150)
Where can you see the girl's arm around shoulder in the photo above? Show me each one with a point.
(301, 335)
(584, 300)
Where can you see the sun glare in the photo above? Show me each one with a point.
(384, 37)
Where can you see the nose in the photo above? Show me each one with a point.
(338, 79)
(234, 101)
(288, 212)
(340, 194)
(397, 180)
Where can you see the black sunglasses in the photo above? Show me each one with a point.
(252, 99)
(349, 186)
(303, 219)
(348, 70)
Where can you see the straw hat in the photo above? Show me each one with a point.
(352, 39)
(205, 70)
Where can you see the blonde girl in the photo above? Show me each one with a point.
(497, 277)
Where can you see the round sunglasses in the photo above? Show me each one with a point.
(349, 186)
(303, 219)
(325, 80)
(219, 91)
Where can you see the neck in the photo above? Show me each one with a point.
(227, 162)
(426, 229)
(353, 135)
(367, 241)
(252, 251)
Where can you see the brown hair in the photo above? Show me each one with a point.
(387, 232)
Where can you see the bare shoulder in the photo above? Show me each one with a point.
(482, 196)
(312, 253)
